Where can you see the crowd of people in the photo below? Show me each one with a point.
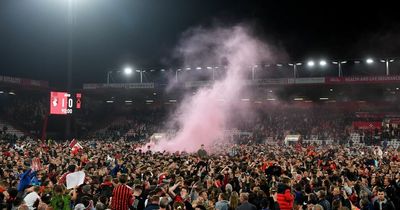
(124, 175)
(271, 124)
(274, 122)
(136, 126)
(27, 112)
(244, 174)
(309, 123)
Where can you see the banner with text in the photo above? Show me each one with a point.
(23, 82)
(119, 86)
(362, 79)
(364, 125)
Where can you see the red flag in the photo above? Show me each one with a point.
(73, 142)
(79, 146)
(36, 164)
(76, 147)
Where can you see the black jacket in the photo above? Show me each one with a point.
(152, 207)
(325, 204)
(384, 205)
(246, 206)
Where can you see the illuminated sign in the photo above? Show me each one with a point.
(63, 103)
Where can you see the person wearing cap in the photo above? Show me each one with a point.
(162, 177)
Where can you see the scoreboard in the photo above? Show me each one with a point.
(63, 103)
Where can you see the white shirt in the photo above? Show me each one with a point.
(30, 199)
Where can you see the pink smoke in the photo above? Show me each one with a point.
(203, 117)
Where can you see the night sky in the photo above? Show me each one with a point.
(109, 34)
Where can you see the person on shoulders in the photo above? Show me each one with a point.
(202, 153)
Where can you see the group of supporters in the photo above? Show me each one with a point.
(119, 175)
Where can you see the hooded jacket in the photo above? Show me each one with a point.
(285, 198)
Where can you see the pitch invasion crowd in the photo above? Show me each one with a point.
(242, 177)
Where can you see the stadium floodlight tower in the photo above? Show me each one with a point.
(213, 71)
(295, 68)
(253, 73)
(310, 63)
(339, 63)
(178, 70)
(127, 71)
(141, 74)
(387, 61)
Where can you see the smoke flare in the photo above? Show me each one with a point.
(203, 117)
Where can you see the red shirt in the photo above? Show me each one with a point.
(122, 197)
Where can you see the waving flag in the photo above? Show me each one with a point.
(73, 142)
(75, 147)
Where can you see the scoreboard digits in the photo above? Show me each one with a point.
(62, 103)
